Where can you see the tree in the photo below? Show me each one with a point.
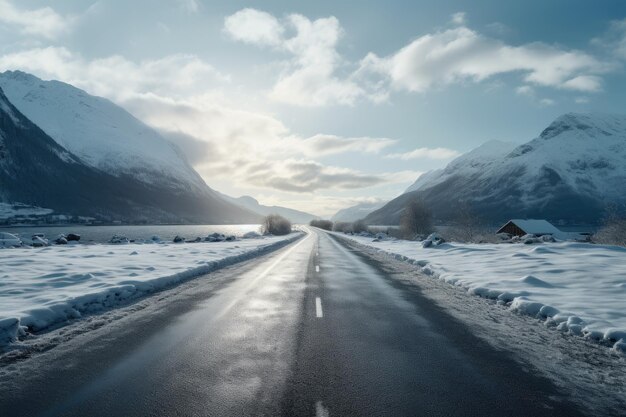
(359, 226)
(322, 224)
(416, 220)
(276, 225)
(613, 231)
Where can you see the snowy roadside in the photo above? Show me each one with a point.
(577, 288)
(592, 375)
(43, 287)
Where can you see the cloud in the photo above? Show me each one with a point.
(115, 76)
(463, 55)
(254, 27)
(584, 83)
(427, 153)
(614, 39)
(309, 76)
(459, 18)
(525, 90)
(43, 22)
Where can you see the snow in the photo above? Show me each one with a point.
(578, 288)
(587, 151)
(47, 286)
(9, 210)
(356, 212)
(101, 134)
(466, 165)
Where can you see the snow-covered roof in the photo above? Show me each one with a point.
(536, 227)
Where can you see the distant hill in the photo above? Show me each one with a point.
(569, 174)
(249, 203)
(356, 212)
(75, 154)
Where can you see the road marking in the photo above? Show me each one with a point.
(320, 410)
(317, 268)
(318, 308)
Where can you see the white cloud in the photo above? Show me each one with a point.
(584, 83)
(545, 102)
(463, 55)
(115, 76)
(309, 77)
(254, 27)
(426, 153)
(581, 100)
(525, 90)
(43, 22)
(459, 18)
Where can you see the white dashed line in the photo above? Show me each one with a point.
(320, 410)
(317, 268)
(318, 308)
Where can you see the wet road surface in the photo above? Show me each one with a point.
(314, 329)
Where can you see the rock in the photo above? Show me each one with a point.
(548, 238)
(179, 239)
(427, 243)
(72, 237)
(119, 240)
(61, 240)
(251, 235)
(231, 238)
(39, 241)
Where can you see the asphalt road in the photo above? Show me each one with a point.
(314, 329)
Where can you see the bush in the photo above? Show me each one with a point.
(359, 226)
(416, 220)
(344, 227)
(613, 232)
(276, 225)
(322, 224)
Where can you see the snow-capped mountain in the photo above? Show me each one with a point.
(100, 133)
(356, 212)
(155, 185)
(250, 203)
(571, 172)
(467, 164)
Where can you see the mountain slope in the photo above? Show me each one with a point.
(249, 203)
(569, 173)
(100, 133)
(356, 212)
(35, 170)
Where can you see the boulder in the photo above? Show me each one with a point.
(179, 239)
(72, 237)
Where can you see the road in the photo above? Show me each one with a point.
(314, 329)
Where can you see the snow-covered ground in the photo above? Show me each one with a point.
(41, 287)
(578, 287)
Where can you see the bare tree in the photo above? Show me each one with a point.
(359, 226)
(416, 220)
(322, 224)
(276, 225)
(613, 231)
(467, 225)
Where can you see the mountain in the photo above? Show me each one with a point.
(569, 174)
(77, 154)
(356, 212)
(249, 203)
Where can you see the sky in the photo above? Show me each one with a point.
(321, 105)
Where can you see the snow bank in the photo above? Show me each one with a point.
(578, 288)
(40, 287)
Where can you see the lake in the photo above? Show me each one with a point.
(102, 234)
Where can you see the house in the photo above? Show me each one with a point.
(521, 227)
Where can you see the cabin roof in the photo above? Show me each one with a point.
(535, 226)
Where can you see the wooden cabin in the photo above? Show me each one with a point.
(521, 227)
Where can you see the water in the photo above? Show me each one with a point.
(102, 234)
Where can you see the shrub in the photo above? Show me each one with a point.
(345, 227)
(613, 232)
(322, 224)
(416, 220)
(276, 225)
(359, 226)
